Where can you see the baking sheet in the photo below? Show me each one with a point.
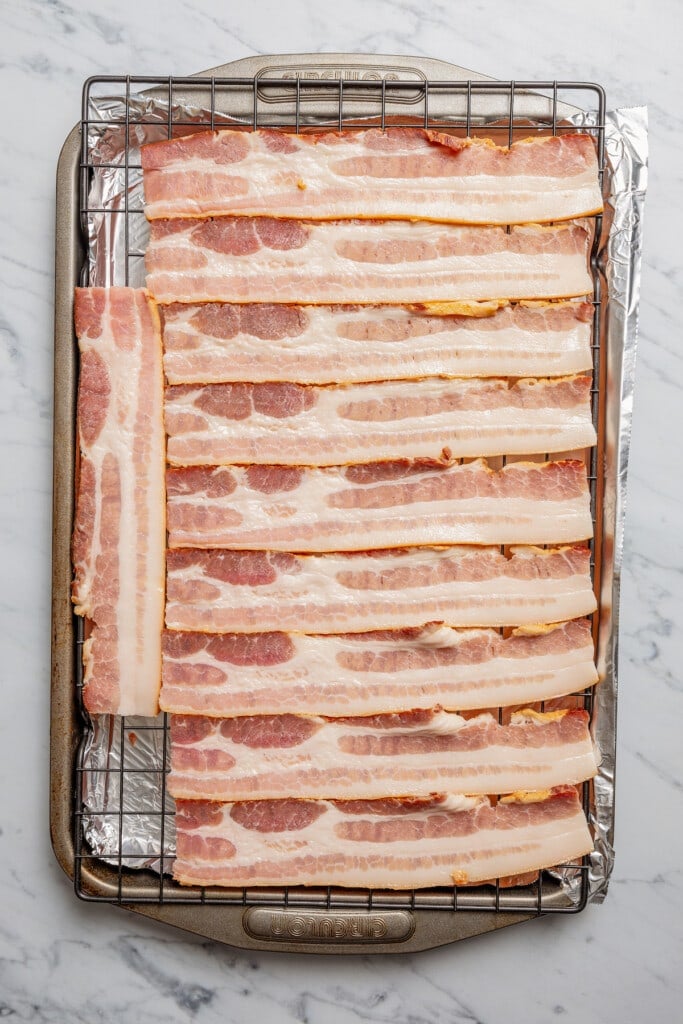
(140, 836)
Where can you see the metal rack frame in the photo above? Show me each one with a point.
(299, 103)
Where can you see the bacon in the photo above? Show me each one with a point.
(388, 844)
(266, 260)
(119, 531)
(220, 342)
(226, 674)
(404, 755)
(292, 424)
(400, 172)
(386, 505)
(256, 591)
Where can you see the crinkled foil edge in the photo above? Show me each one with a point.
(620, 258)
(138, 834)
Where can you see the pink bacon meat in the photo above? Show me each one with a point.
(218, 342)
(293, 424)
(258, 591)
(400, 172)
(226, 674)
(246, 259)
(388, 844)
(119, 531)
(401, 755)
(385, 505)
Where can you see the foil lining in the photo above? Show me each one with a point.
(620, 259)
(123, 791)
(122, 818)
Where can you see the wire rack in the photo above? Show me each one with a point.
(504, 111)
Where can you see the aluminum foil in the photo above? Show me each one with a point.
(125, 764)
(620, 258)
(117, 234)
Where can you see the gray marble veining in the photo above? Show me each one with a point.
(64, 961)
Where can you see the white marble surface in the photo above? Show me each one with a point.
(62, 961)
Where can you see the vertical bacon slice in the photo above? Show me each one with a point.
(260, 259)
(385, 505)
(387, 844)
(400, 172)
(218, 342)
(292, 424)
(119, 531)
(258, 591)
(403, 755)
(369, 673)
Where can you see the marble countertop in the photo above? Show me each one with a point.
(63, 961)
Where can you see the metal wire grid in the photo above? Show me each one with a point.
(98, 881)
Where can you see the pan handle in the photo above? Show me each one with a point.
(348, 67)
(339, 931)
(366, 931)
(275, 76)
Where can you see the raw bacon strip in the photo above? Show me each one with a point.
(294, 424)
(387, 844)
(385, 505)
(338, 344)
(258, 591)
(403, 755)
(246, 259)
(369, 673)
(401, 172)
(119, 531)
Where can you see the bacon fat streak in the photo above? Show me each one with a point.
(385, 505)
(398, 173)
(386, 844)
(223, 342)
(245, 259)
(294, 425)
(119, 531)
(258, 591)
(270, 757)
(227, 674)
